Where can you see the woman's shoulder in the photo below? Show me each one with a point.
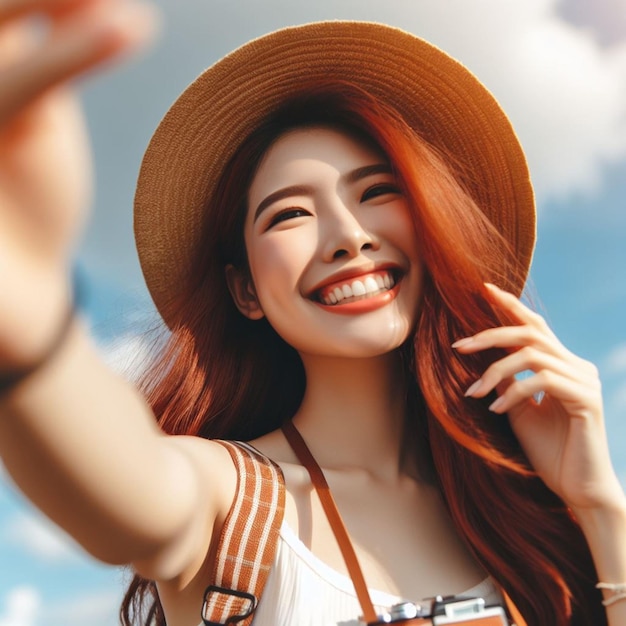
(274, 446)
(213, 464)
(217, 461)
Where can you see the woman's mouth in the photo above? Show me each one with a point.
(355, 289)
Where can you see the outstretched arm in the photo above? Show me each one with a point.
(563, 434)
(78, 440)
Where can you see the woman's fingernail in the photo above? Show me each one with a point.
(474, 388)
(462, 342)
(496, 404)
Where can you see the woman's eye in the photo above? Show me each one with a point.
(381, 189)
(287, 214)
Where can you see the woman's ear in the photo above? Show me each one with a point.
(243, 292)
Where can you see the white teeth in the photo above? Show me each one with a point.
(371, 285)
(358, 288)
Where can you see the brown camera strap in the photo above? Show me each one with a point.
(305, 457)
(248, 539)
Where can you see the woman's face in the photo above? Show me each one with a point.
(331, 247)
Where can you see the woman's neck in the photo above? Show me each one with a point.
(353, 412)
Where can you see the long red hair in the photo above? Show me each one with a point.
(223, 376)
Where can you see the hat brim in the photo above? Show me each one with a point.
(433, 92)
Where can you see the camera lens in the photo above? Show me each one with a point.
(404, 610)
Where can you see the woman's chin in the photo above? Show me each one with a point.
(358, 345)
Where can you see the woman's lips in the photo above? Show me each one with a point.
(345, 291)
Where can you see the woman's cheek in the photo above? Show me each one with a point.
(278, 267)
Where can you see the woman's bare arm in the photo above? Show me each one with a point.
(82, 445)
(77, 439)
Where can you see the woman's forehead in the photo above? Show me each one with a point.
(295, 151)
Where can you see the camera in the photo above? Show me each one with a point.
(441, 611)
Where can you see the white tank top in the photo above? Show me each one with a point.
(302, 590)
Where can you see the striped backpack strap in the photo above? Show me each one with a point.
(248, 540)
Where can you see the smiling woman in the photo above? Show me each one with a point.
(320, 218)
(346, 219)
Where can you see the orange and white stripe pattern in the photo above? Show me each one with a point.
(249, 535)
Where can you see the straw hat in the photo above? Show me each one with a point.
(435, 94)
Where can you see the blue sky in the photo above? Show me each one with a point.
(559, 69)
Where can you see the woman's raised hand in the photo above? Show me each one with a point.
(556, 413)
(45, 166)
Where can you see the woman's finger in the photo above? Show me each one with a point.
(580, 398)
(526, 359)
(532, 330)
(515, 306)
(510, 337)
(80, 42)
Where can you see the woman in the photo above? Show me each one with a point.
(319, 247)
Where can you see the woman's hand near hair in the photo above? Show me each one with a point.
(78, 440)
(557, 415)
(45, 164)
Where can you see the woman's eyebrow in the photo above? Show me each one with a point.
(368, 170)
(285, 192)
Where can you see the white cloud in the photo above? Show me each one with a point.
(618, 399)
(573, 96)
(20, 607)
(39, 537)
(565, 94)
(23, 606)
(96, 609)
(615, 362)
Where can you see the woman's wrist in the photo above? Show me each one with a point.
(605, 531)
(10, 379)
(611, 514)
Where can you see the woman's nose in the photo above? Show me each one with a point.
(344, 234)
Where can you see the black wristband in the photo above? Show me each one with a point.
(10, 380)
